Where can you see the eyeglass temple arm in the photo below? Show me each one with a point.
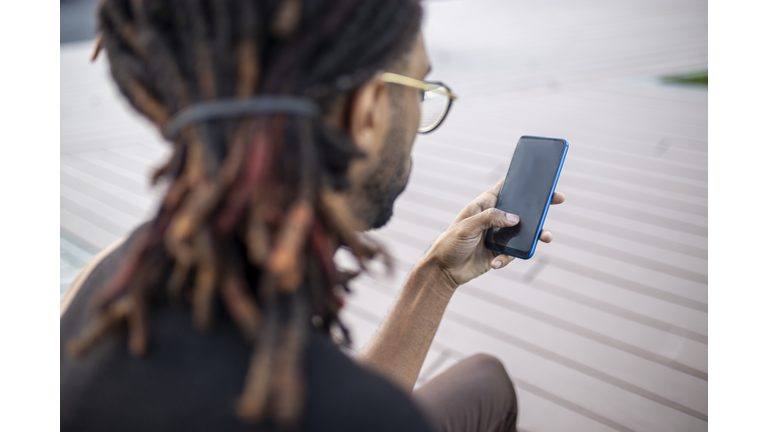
(412, 82)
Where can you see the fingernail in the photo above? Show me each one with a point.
(512, 217)
(496, 264)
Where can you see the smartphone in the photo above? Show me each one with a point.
(527, 192)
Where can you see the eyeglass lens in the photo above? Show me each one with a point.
(434, 106)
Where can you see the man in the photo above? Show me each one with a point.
(292, 124)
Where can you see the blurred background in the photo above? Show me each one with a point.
(605, 329)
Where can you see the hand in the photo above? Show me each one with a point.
(460, 253)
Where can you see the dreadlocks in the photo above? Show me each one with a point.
(253, 206)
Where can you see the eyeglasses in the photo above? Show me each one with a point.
(436, 99)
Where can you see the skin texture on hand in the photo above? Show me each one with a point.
(400, 345)
(460, 252)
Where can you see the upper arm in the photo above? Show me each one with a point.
(74, 287)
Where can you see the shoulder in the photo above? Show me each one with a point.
(354, 398)
(85, 272)
(96, 272)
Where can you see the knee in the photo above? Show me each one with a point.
(491, 370)
(487, 364)
(484, 360)
(498, 391)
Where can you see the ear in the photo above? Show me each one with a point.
(367, 112)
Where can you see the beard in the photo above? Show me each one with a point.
(384, 203)
(389, 177)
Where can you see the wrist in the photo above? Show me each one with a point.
(435, 275)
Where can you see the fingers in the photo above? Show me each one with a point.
(501, 261)
(483, 202)
(489, 198)
(558, 198)
(491, 217)
(496, 189)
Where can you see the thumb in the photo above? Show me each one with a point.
(491, 217)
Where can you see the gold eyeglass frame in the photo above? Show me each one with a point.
(424, 86)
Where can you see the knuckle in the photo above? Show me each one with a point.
(495, 213)
(465, 227)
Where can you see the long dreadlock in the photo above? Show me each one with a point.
(256, 192)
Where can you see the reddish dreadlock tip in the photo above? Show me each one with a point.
(138, 349)
(137, 344)
(201, 318)
(156, 175)
(97, 47)
(183, 226)
(287, 18)
(202, 327)
(73, 350)
(249, 410)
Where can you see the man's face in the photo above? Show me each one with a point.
(379, 178)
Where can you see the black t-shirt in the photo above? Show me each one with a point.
(190, 381)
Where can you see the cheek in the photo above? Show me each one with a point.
(415, 119)
(404, 173)
(408, 163)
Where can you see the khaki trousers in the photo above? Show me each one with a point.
(474, 395)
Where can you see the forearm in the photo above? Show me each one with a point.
(400, 345)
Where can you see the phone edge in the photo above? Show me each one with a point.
(551, 194)
(546, 209)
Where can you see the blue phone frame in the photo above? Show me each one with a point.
(549, 201)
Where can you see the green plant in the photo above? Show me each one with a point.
(696, 78)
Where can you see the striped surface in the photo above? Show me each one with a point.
(605, 328)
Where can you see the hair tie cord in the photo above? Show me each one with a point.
(239, 107)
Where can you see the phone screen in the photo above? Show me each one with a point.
(526, 192)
